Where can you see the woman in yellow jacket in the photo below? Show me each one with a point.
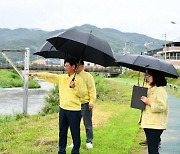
(155, 116)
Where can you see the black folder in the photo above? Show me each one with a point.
(136, 97)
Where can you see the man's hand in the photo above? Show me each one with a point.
(72, 84)
(91, 106)
(32, 74)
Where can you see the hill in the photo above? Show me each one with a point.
(119, 41)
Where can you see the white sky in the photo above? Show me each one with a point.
(149, 17)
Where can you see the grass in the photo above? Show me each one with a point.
(115, 128)
(114, 133)
(9, 79)
(118, 135)
(29, 135)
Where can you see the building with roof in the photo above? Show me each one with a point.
(169, 52)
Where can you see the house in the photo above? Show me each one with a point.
(169, 52)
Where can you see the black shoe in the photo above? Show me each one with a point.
(143, 143)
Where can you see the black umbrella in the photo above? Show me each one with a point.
(143, 62)
(84, 46)
(47, 50)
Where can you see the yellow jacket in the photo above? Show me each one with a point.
(69, 97)
(156, 115)
(90, 95)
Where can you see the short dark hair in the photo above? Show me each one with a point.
(158, 78)
(71, 61)
(81, 62)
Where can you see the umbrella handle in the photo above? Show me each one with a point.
(139, 74)
(145, 75)
(73, 79)
(144, 80)
(138, 77)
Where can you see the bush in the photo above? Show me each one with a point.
(131, 74)
(51, 102)
(173, 80)
(102, 86)
(10, 79)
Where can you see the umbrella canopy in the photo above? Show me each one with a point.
(143, 62)
(84, 46)
(47, 50)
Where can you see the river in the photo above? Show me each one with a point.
(11, 99)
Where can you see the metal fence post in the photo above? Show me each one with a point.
(26, 78)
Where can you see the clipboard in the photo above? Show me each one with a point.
(136, 97)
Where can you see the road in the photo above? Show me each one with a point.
(171, 136)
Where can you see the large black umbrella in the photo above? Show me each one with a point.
(84, 46)
(143, 62)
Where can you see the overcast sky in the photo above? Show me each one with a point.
(149, 17)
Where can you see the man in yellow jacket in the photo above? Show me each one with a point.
(87, 103)
(70, 93)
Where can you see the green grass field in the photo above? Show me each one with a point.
(116, 129)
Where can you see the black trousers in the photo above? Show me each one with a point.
(70, 119)
(87, 119)
(153, 137)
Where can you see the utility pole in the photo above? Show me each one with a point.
(165, 47)
(125, 49)
(146, 45)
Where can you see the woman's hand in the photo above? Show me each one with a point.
(146, 100)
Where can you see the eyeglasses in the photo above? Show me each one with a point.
(148, 76)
